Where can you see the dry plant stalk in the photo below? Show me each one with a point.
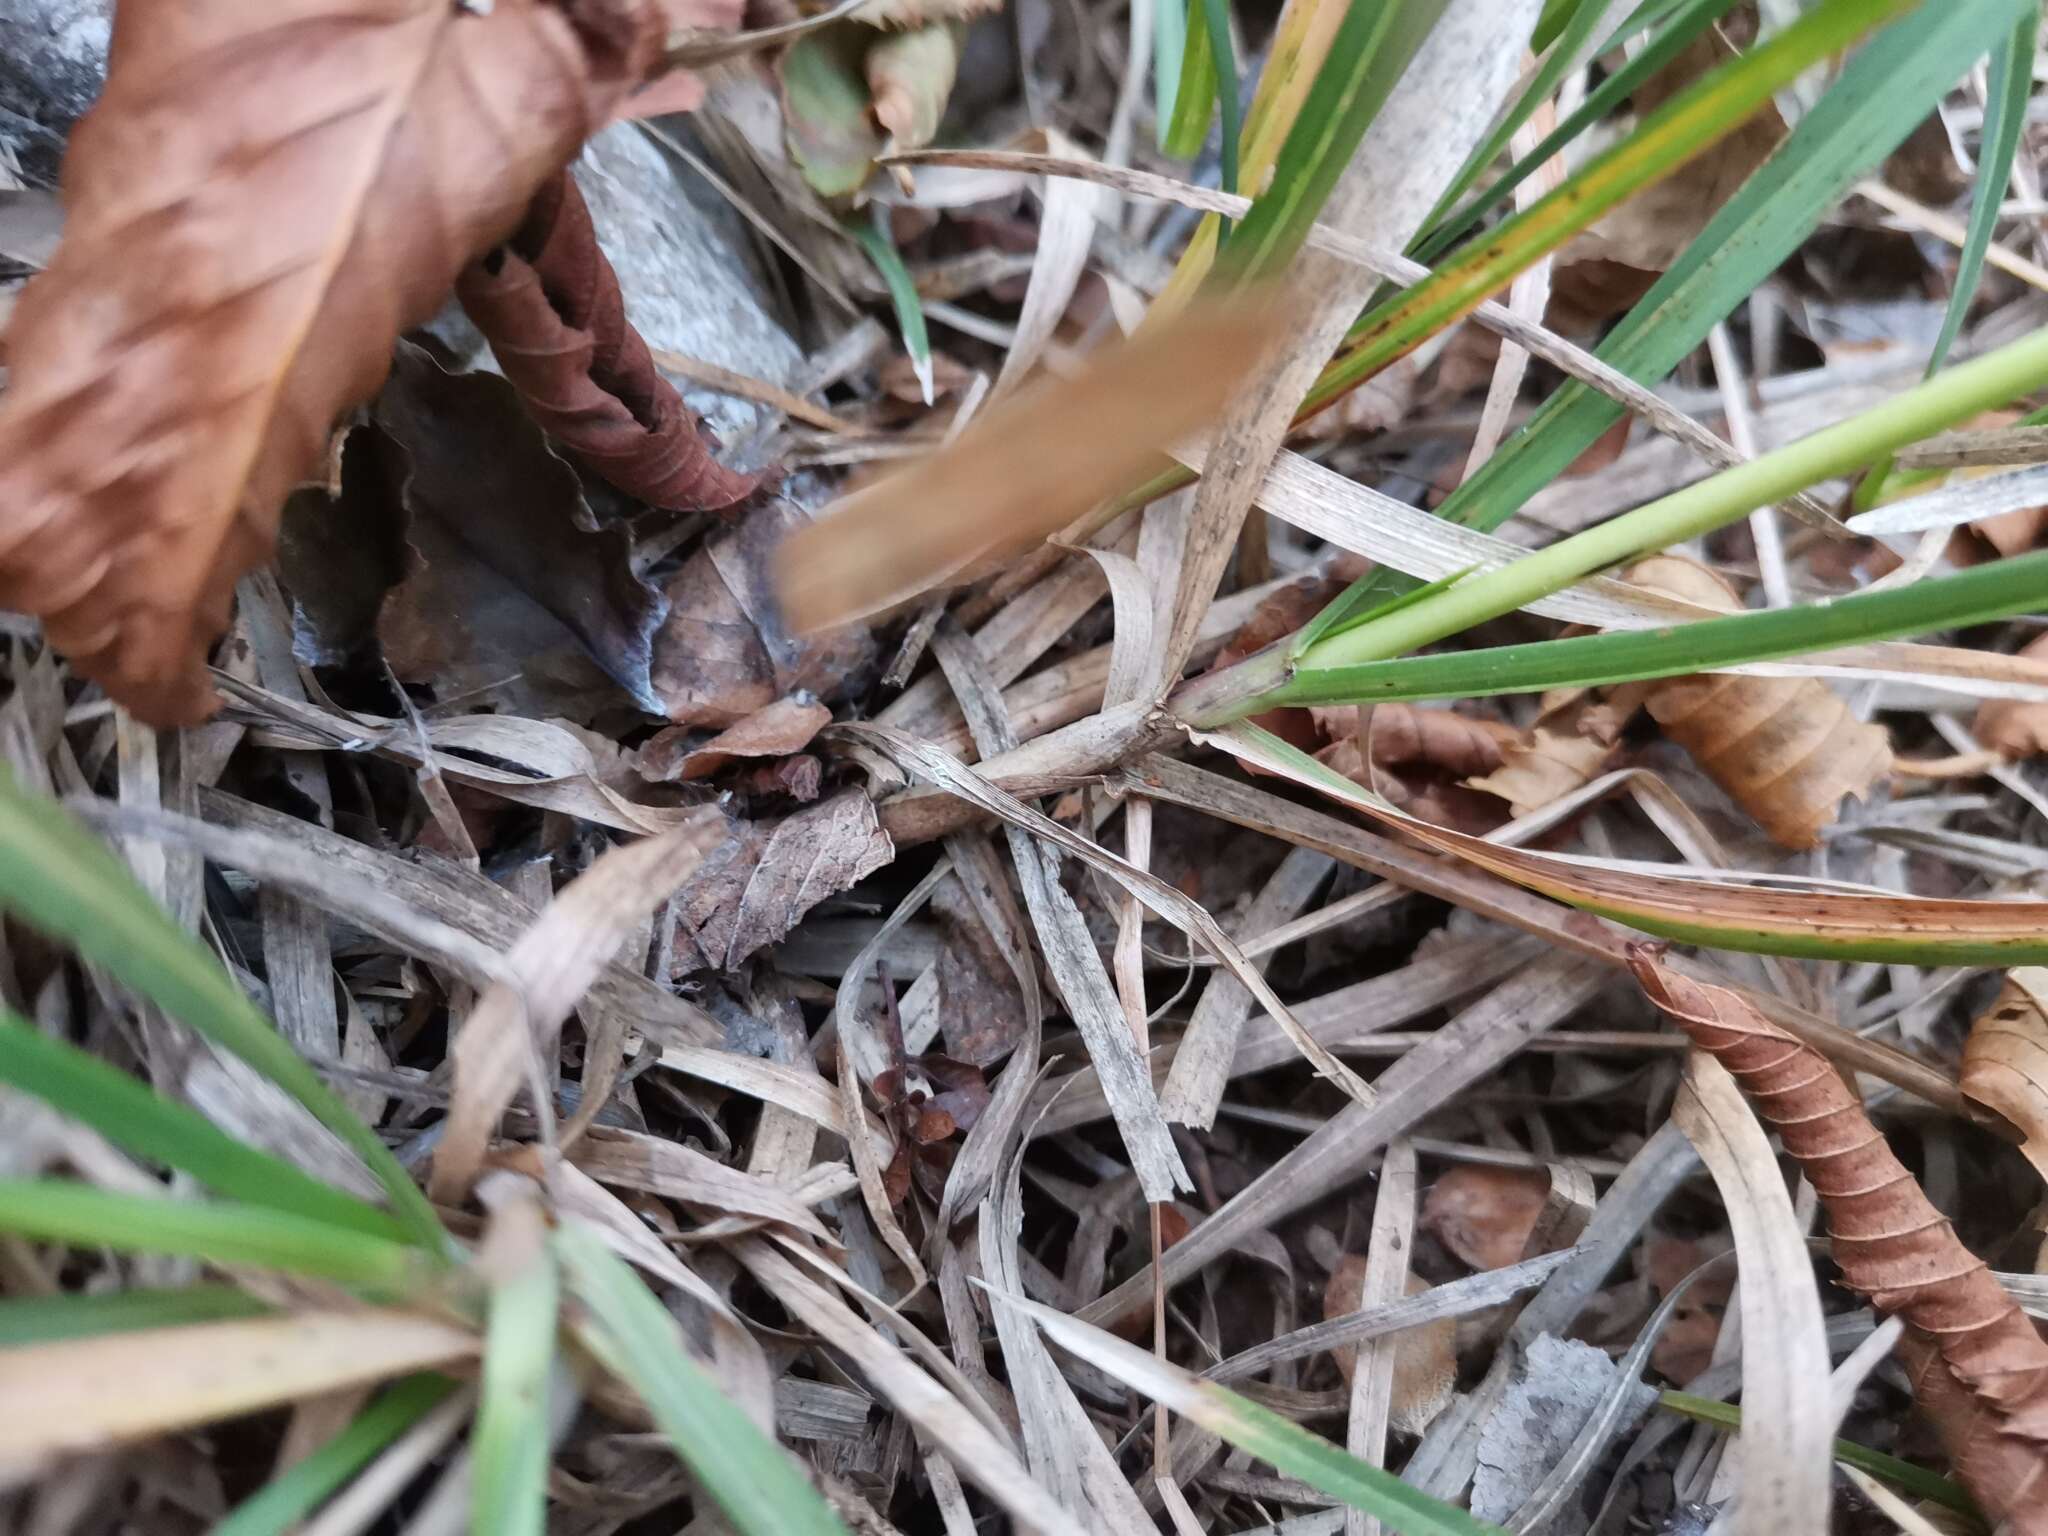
(1979, 1368)
(264, 197)
(1786, 749)
(549, 303)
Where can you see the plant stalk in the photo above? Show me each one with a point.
(1700, 508)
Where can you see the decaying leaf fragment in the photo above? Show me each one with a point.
(1786, 749)
(2012, 726)
(264, 197)
(2005, 1060)
(1980, 1368)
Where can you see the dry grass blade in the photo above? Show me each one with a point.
(1433, 118)
(1472, 1044)
(1025, 468)
(1787, 1422)
(551, 967)
(84, 1394)
(1386, 1280)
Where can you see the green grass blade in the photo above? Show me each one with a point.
(1699, 508)
(132, 1117)
(1687, 22)
(874, 239)
(1975, 596)
(632, 1335)
(288, 1498)
(1888, 86)
(510, 1445)
(1186, 129)
(1373, 47)
(58, 877)
(48, 1319)
(61, 1211)
(1278, 1441)
(1216, 25)
(2005, 113)
(1917, 1481)
(1169, 48)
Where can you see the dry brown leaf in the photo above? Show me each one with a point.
(1544, 767)
(1425, 1359)
(724, 652)
(777, 730)
(264, 197)
(757, 888)
(1407, 736)
(1485, 1215)
(1025, 468)
(2005, 1060)
(1893, 1245)
(1786, 749)
(2011, 727)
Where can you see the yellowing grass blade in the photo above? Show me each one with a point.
(1024, 468)
(82, 1394)
(1693, 907)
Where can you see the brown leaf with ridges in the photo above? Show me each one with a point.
(549, 303)
(1786, 749)
(264, 197)
(1892, 1245)
(2014, 727)
(2005, 1059)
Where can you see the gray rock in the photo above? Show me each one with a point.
(53, 60)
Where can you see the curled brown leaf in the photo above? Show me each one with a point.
(1892, 1245)
(549, 303)
(264, 197)
(2005, 1060)
(1786, 749)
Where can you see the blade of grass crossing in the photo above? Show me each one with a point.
(1917, 1481)
(1687, 22)
(1372, 48)
(60, 1211)
(1194, 99)
(1216, 24)
(1169, 47)
(1975, 596)
(74, 1315)
(632, 1335)
(873, 237)
(1273, 1439)
(288, 1498)
(1889, 85)
(2011, 82)
(1699, 508)
(59, 878)
(510, 1445)
(132, 1117)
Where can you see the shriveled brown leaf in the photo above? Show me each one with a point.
(777, 730)
(1408, 736)
(981, 1007)
(1024, 468)
(724, 651)
(1544, 766)
(1483, 1214)
(1425, 1358)
(763, 882)
(549, 303)
(2005, 1059)
(264, 197)
(1786, 749)
(1891, 1244)
(2012, 727)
